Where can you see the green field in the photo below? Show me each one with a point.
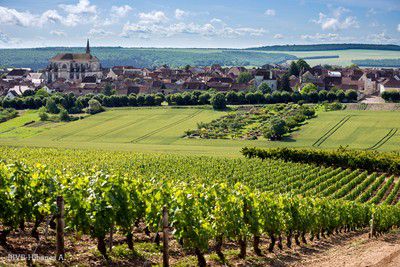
(161, 130)
(345, 56)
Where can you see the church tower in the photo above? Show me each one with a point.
(87, 47)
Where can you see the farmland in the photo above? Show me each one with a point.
(162, 130)
(217, 206)
(110, 191)
(345, 57)
(37, 58)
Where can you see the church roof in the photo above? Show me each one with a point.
(74, 57)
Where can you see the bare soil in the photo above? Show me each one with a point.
(345, 249)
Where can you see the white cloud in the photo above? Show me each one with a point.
(398, 28)
(215, 20)
(380, 37)
(58, 33)
(13, 17)
(321, 36)
(120, 11)
(82, 7)
(278, 36)
(50, 16)
(152, 17)
(270, 12)
(99, 33)
(4, 38)
(336, 23)
(180, 14)
(206, 29)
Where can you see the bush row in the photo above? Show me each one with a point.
(372, 161)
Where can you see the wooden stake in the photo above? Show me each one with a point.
(165, 237)
(111, 237)
(372, 231)
(60, 229)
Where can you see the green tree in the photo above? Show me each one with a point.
(94, 107)
(294, 69)
(264, 88)
(52, 106)
(302, 65)
(108, 90)
(43, 114)
(275, 129)
(218, 101)
(284, 83)
(244, 77)
(308, 88)
(63, 115)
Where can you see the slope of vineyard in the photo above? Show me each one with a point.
(210, 201)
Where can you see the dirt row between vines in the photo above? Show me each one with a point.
(346, 249)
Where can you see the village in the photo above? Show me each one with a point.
(83, 74)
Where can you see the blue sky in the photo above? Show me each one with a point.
(206, 23)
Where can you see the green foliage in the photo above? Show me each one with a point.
(309, 88)
(43, 114)
(218, 101)
(275, 129)
(366, 160)
(37, 58)
(391, 96)
(253, 123)
(7, 114)
(63, 115)
(264, 88)
(52, 106)
(244, 77)
(108, 90)
(94, 107)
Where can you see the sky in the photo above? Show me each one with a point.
(193, 23)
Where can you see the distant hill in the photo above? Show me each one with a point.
(325, 47)
(37, 58)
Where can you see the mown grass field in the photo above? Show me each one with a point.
(345, 56)
(161, 130)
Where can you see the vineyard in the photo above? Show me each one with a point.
(209, 201)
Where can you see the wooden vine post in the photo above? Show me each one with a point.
(372, 230)
(165, 237)
(60, 229)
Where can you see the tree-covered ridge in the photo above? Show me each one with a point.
(323, 47)
(37, 58)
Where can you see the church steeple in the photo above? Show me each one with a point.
(87, 47)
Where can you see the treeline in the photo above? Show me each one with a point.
(323, 47)
(73, 104)
(371, 161)
(391, 96)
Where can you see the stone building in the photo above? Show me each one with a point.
(74, 67)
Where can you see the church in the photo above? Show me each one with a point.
(74, 67)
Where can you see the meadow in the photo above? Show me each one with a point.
(161, 129)
(345, 58)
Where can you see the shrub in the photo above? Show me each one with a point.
(218, 101)
(94, 107)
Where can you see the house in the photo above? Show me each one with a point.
(18, 90)
(37, 78)
(265, 76)
(390, 84)
(16, 74)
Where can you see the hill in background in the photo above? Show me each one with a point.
(325, 47)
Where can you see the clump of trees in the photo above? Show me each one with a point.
(391, 96)
(7, 114)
